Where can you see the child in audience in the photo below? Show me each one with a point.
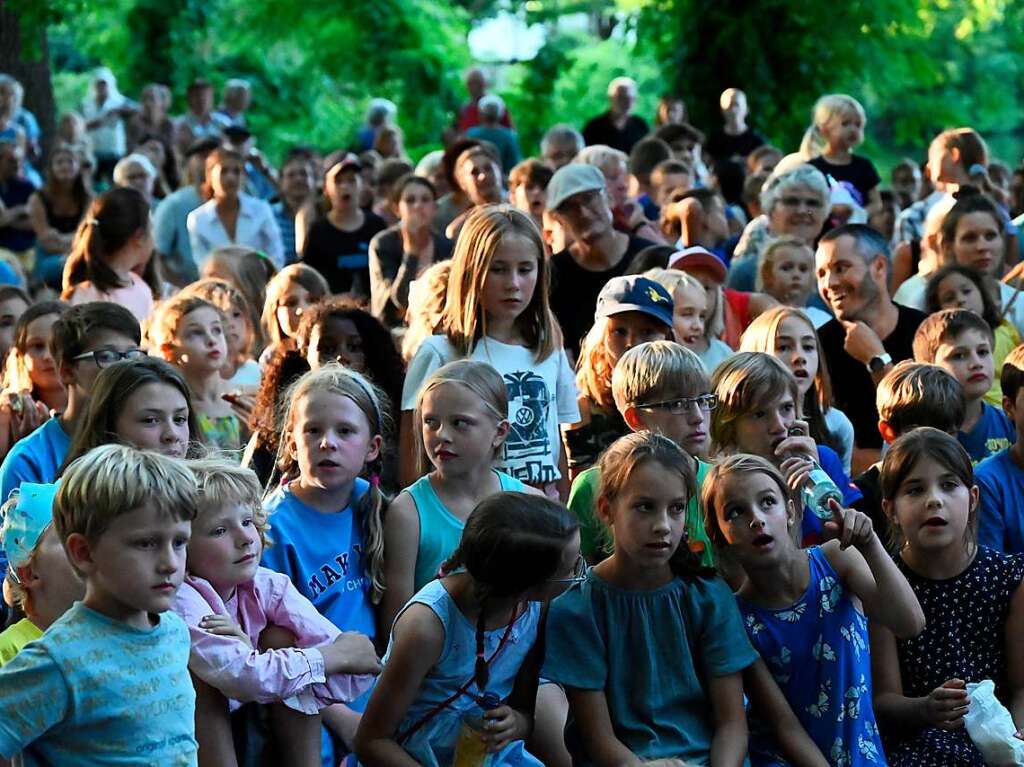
(41, 580)
(701, 220)
(249, 271)
(497, 311)
(789, 334)
(961, 287)
(108, 681)
(630, 311)
(690, 321)
(461, 422)
(973, 605)
(838, 123)
(240, 370)
(759, 412)
(232, 606)
(427, 296)
(475, 633)
(30, 366)
(649, 646)
(960, 342)
(806, 610)
(786, 273)
(1001, 477)
(290, 293)
(912, 394)
(188, 332)
(659, 387)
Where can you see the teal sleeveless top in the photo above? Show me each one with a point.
(440, 530)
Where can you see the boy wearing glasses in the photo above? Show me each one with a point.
(658, 386)
(87, 338)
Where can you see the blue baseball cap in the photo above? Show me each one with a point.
(634, 294)
(25, 522)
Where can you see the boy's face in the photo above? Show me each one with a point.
(683, 418)
(968, 358)
(629, 329)
(82, 373)
(1014, 409)
(671, 181)
(135, 567)
(763, 427)
(685, 150)
(225, 547)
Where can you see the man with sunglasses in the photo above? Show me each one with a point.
(86, 339)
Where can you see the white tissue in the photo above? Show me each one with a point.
(991, 727)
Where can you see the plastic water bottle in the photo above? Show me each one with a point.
(818, 491)
(470, 749)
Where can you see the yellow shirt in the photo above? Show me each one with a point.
(16, 637)
(1006, 340)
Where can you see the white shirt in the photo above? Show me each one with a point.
(256, 228)
(108, 139)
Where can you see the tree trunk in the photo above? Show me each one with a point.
(24, 55)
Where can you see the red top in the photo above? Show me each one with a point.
(469, 115)
(737, 316)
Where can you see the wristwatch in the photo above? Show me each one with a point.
(878, 362)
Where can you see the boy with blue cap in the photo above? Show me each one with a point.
(39, 578)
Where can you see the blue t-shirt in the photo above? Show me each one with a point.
(1001, 514)
(323, 556)
(817, 651)
(35, 458)
(993, 432)
(96, 691)
(650, 652)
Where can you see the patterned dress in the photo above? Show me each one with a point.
(963, 639)
(817, 651)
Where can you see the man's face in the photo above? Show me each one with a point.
(623, 99)
(846, 282)
(586, 215)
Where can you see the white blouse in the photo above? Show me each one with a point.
(256, 228)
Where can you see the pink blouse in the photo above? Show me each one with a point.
(136, 298)
(294, 676)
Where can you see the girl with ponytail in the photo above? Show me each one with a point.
(112, 247)
(477, 631)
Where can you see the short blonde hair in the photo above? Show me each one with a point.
(657, 370)
(220, 482)
(113, 480)
(766, 259)
(671, 279)
(602, 157)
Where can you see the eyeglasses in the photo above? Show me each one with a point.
(106, 357)
(794, 202)
(705, 402)
(579, 572)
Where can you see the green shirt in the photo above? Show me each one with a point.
(15, 637)
(595, 540)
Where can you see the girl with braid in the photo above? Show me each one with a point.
(477, 631)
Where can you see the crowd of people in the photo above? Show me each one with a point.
(660, 446)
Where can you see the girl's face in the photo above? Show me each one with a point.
(754, 516)
(331, 440)
(968, 358)
(799, 212)
(42, 370)
(225, 547)
(932, 507)
(336, 338)
(689, 308)
(416, 206)
(511, 279)
(236, 330)
(64, 166)
(460, 434)
(200, 342)
(763, 427)
(844, 130)
(291, 305)
(154, 417)
(628, 329)
(959, 292)
(648, 516)
(791, 276)
(226, 178)
(978, 243)
(797, 348)
(10, 310)
(530, 199)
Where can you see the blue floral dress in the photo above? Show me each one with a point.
(817, 651)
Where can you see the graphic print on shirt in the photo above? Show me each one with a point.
(341, 568)
(528, 405)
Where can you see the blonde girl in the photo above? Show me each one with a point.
(806, 611)
(189, 333)
(837, 129)
(426, 305)
(291, 292)
(630, 311)
(497, 311)
(785, 271)
(789, 335)
(691, 324)
(250, 271)
(240, 369)
(649, 645)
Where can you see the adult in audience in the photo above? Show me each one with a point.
(619, 128)
(560, 145)
(136, 172)
(236, 100)
(152, 118)
(298, 179)
(198, 121)
(478, 175)
(491, 109)
(16, 233)
(55, 211)
(735, 139)
(104, 115)
(469, 113)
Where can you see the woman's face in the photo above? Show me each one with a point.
(478, 175)
(416, 206)
(38, 360)
(138, 179)
(978, 243)
(799, 211)
(64, 166)
(226, 178)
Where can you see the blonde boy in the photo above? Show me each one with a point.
(658, 386)
(108, 682)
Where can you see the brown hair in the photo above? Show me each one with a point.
(741, 382)
(215, 158)
(943, 327)
(741, 463)
(306, 276)
(250, 271)
(112, 220)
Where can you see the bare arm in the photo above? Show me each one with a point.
(1015, 658)
(590, 710)
(401, 544)
(729, 743)
(49, 238)
(766, 697)
(902, 267)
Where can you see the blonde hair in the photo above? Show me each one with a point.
(336, 379)
(426, 306)
(220, 482)
(225, 297)
(307, 277)
(167, 317)
(602, 157)
(826, 109)
(113, 480)
(595, 366)
(248, 270)
(673, 279)
(479, 378)
(464, 321)
(766, 259)
(741, 382)
(655, 370)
